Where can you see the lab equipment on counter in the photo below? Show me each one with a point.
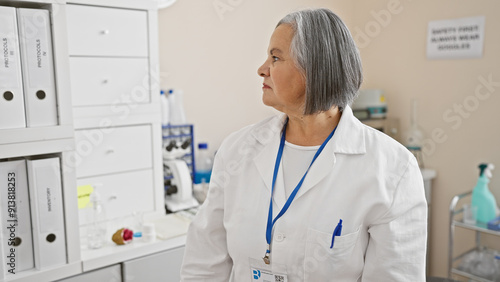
(123, 236)
(174, 149)
(494, 224)
(175, 101)
(370, 104)
(165, 109)
(178, 144)
(413, 138)
(179, 194)
(470, 214)
(370, 107)
(174, 224)
(204, 162)
(482, 197)
(149, 233)
(97, 228)
(482, 263)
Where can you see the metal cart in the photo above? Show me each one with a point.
(479, 228)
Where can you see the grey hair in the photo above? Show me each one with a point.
(324, 50)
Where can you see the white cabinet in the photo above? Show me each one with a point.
(113, 63)
(117, 117)
(108, 130)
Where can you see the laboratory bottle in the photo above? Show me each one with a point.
(97, 228)
(482, 197)
(203, 165)
(413, 138)
(165, 109)
(177, 114)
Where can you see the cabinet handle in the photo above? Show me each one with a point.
(110, 151)
(105, 81)
(105, 31)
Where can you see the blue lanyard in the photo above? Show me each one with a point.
(270, 221)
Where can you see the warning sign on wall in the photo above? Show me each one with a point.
(456, 39)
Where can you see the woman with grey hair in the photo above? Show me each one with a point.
(311, 194)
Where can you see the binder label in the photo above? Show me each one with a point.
(49, 210)
(37, 41)
(5, 44)
(10, 66)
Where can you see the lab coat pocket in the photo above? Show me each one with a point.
(320, 260)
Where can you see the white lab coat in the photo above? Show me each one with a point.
(362, 176)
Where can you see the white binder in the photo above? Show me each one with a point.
(15, 213)
(11, 84)
(49, 238)
(37, 67)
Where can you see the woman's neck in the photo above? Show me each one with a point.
(311, 130)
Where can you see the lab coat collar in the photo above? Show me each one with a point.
(348, 139)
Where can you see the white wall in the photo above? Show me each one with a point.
(395, 60)
(214, 58)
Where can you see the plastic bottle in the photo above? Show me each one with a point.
(413, 138)
(482, 198)
(165, 109)
(97, 225)
(177, 114)
(203, 165)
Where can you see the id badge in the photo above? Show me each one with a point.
(262, 272)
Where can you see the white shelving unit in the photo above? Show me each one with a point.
(478, 228)
(52, 140)
(109, 131)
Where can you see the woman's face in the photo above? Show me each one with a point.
(284, 85)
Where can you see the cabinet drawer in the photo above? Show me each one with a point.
(110, 273)
(112, 150)
(164, 266)
(98, 31)
(109, 81)
(132, 193)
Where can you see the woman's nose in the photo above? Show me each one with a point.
(263, 71)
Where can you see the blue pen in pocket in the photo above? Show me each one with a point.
(336, 232)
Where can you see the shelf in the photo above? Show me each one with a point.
(481, 227)
(36, 148)
(470, 276)
(176, 136)
(112, 254)
(464, 273)
(50, 274)
(176, 126)
(33, 134)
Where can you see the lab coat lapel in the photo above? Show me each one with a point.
(322, 167)
(348, 139)
(268, 135)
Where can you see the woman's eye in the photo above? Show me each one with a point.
(275, 58)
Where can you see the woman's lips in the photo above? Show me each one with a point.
(265, 86)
